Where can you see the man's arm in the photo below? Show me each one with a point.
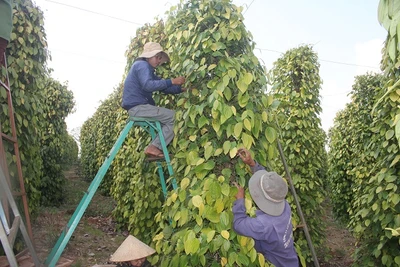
(245, 155)
(173, 89)
(245, 225)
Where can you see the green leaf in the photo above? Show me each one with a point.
(215, 190)
(238, 129)
(241, 85)
(208, 150)
(192, 246)
(247, 140)
(243, 99)
(248, 78)
(202, 121)
(212, 216)
(226, 146)
(270, 134)
(247, 124)
(210, 235)
(184, 183)
(232, 73)
(389, 134)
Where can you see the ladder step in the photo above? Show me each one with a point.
(5, 86)
(14, 230)
(9, 138)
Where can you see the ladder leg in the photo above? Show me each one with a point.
(66, 234)
(159, 167)
(12, 261)
(166, 155)
(4, 188)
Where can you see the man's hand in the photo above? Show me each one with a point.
(240, 193)
(178, 81)
(245, 155)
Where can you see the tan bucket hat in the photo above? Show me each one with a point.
(151, 49)
(268, 191)
(131, 249)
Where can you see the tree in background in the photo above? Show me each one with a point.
(33, 92)
(56, 107)
(374, 213)
(349, 157)
(377, 210)
(297, 86)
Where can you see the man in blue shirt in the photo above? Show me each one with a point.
(272, 227)
(139, 86)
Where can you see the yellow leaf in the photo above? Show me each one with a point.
(247, 203)
(243, 240)
(192, 138)
(184, 183)
(201, 209)
(270, 100)
(212, 66)
(247, 124)
(232, 73)
(233, 152)
(208, 151)
(233, 110)
(248, 78)
(219, 205)
(210, 235)
(160, 236)
(224, 261)
(265, 116)
(187, 170)
(226, 146)
(261, 260)
(241, 85)
(199, 220)
(197, 201)
(218, 151)
(225, 234)
(394, 96)
(199, 161)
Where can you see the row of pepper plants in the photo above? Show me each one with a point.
(364, 155)
(230, 104)
(41, 105)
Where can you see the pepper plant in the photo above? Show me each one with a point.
(40, 107)
(297, 85)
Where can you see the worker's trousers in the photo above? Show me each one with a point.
(163, 115)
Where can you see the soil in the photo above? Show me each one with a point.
(96, 238)
(339, 242)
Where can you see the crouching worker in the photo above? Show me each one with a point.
(272, 228)
(132, 253)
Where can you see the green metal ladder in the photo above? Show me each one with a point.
(151, 126)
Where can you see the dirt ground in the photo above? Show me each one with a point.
(95, 237)
(339, 242)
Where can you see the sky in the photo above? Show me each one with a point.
(88, 39)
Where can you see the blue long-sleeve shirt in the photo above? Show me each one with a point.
(140, 84)
(273, 235)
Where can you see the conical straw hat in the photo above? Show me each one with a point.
(131, 249)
